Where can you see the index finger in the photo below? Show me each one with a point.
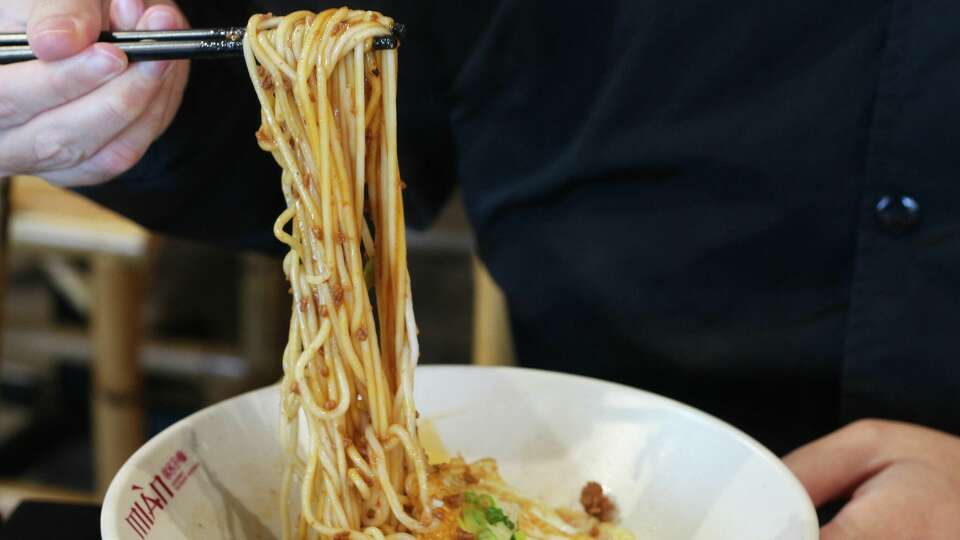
(58, 29)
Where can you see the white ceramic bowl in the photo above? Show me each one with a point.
(675, 472)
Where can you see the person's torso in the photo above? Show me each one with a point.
(682, 196)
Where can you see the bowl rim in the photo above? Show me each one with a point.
(109, 524)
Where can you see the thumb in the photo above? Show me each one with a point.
(58, 29)
(835, 465)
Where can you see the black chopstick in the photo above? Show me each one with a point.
(195, 44)
(144, 50)
(231, 33)
(148, 45)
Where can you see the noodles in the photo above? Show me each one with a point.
(328, 109)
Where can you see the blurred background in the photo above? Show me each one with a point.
(110, 334)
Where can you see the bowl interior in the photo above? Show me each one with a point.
(676, 473)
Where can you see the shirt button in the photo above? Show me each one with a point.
(897, 213)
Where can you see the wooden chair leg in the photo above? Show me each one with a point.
(118, 416)
(492, 339)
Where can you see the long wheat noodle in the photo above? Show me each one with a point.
(355, 468)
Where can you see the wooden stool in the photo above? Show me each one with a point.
(43, 218)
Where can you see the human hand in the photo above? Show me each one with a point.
(81, 115)
(903, 481)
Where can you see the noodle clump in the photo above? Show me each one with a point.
(329, 118)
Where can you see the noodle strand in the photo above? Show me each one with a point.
(348, 420)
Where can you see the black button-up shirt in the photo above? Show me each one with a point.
(750, 206)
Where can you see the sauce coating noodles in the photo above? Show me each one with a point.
(328, 108)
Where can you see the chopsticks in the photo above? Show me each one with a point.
(209, 43)
(148, 45)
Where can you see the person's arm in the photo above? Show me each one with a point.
(81, 115)
(902, 480)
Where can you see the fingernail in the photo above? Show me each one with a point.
(126, 13)
(158, 19)
(102, 62)
(57, 24)
(161, 19)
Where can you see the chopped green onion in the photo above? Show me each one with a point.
(495, 515)
(482, 517)
(501, 531)
(472, 520)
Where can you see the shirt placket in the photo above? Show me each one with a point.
(890, 214)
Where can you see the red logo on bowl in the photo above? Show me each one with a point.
(158, 494)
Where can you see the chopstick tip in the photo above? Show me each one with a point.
(391, 41)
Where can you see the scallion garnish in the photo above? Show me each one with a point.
(482, 518)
